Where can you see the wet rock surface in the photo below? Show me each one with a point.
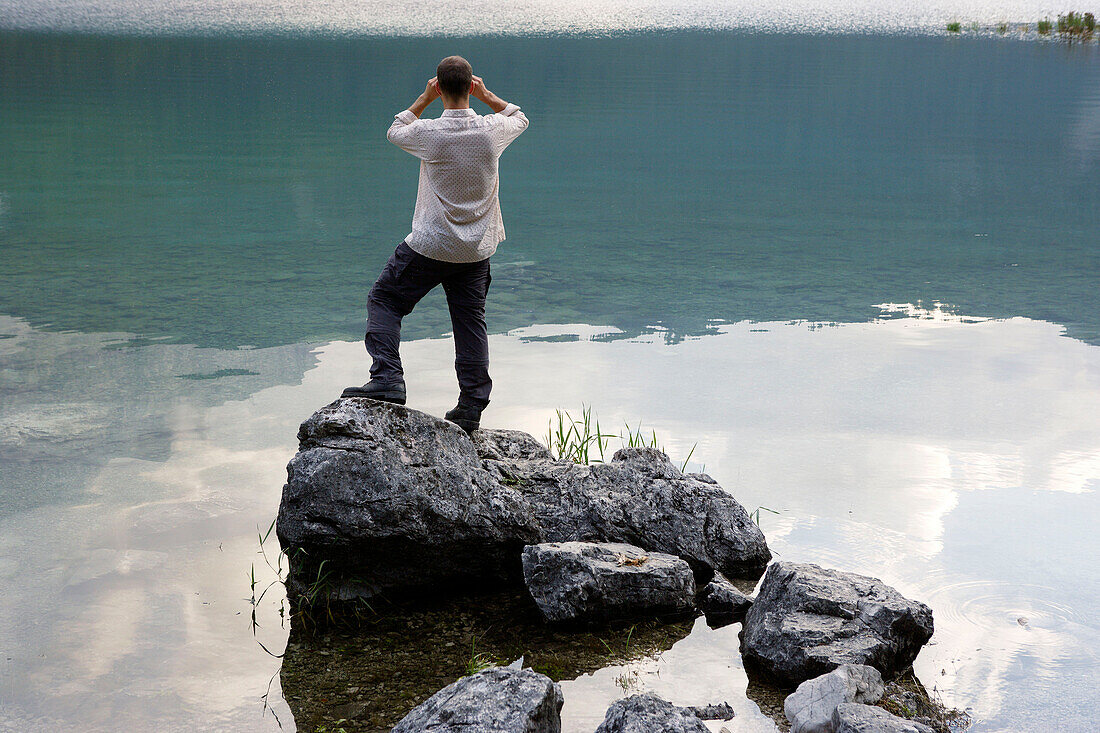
(497, 700)
(856, 718)
(648, 713)
(381, 497)
(722, 602)
(810, 708)
(808, 620)
(585, 582)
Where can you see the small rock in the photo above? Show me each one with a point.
(496, 700)
(648, 713)
(808, 620)
(722, 603)
(596, 582)
(350, 710)
(810, 707)
(721, 711)
(503, 445)
(855, 718)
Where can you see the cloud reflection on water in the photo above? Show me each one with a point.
(917, 449)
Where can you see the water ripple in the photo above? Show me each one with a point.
(1030, 615)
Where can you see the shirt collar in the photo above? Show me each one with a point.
(464, 112)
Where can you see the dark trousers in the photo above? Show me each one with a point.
(406, 278)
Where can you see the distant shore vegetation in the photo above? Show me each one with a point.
(1072, 26)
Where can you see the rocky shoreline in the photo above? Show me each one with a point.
(384, 502)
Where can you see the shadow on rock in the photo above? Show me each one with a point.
(401, 653)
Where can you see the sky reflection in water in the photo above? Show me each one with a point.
(957, 461)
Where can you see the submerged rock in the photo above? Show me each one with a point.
(808, 620)
(498, 700)
(380, 497)
(855, 718)
(718, 711)
(810, 708)
(594, 582)
(648, 713)
(722, 603)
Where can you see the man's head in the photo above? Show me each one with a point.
(453, 76)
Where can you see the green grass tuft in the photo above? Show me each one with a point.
(581, 439)
(756, 514)
(479, 661)
(577, 439)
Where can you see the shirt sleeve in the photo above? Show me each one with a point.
(405, 133)
(510, 122)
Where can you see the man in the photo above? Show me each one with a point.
(455, 230)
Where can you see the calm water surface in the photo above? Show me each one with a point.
(859, 271)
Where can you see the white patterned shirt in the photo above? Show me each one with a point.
(457, 215)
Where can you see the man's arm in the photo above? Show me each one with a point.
(514, 121)
(402, 132)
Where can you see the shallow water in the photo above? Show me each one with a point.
(957, 461)
(708, 241)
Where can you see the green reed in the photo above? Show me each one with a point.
(581, 439)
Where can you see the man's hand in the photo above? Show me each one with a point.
(432, 90)
(478, 89)
(429, 95)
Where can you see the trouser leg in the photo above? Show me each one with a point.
(406, 278)
(466, 289)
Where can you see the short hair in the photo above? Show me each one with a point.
(454, 75)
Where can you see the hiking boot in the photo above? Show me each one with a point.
(376, 389)
(465, 416)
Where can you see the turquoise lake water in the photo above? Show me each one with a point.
(860, 272)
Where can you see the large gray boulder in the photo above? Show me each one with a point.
(855, 718)
(498, 700)
(648, 713)
(381, 497)
(810, 708)
(582, 582)
(808, 620)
